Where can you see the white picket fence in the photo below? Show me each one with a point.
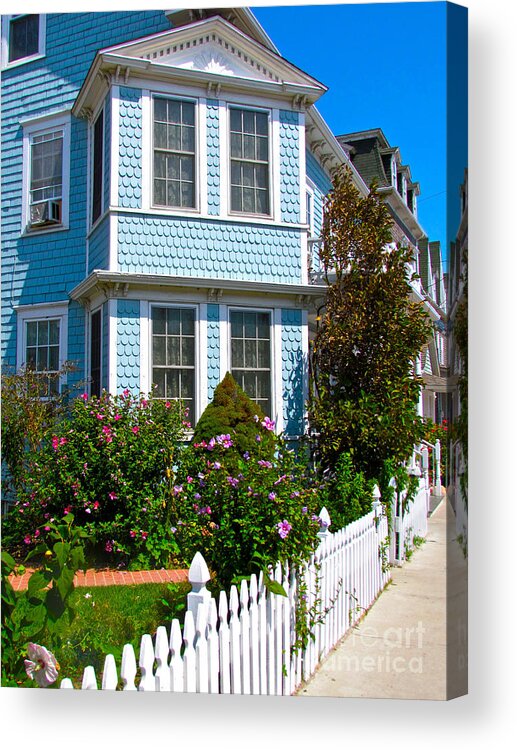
(244, 643)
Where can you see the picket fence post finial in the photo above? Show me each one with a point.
(198, 576)
(325, 523)
(376, 502)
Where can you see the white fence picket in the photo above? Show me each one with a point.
(162, 674)
(176, 660)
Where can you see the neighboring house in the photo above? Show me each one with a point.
(162, 174)
(377, 161)
(457, 277)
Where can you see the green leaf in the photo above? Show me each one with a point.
(273, 586)
(61, 550)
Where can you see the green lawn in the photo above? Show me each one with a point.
(109, 617)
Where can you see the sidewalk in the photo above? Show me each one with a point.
(399, 649)
(94, 577)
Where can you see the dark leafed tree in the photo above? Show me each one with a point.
(364, 391)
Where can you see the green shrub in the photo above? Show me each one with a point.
(243, 513)
(110, 464)
(233, 412)
(347, 495)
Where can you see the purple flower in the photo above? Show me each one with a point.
(265, 464)
(225, 441)
(246, 456)
(272, 496)
(177, 489)
(304, 509)
(268, 424)
(217, 465)
(211, 444)
(197, 496)
(284, 527)
(173, 529)
(231, 480)
(258, 438)
(281, 479)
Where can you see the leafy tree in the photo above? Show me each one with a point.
(365, 392)
(460, 430)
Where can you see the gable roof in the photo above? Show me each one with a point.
(210, 51)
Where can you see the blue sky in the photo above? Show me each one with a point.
(385, 66)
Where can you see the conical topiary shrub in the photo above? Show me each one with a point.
(233, 412)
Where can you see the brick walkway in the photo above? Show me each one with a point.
(111, 577)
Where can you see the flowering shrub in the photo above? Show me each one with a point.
(243, 511)
(108, 464)
(439, 431)
(346, 493)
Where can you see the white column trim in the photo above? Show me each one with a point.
(115, 143)
(278, 416)
(275, 165)
(112, 347)
(145, 368)
(202, 368)
(224, 341)
(305, 363)
(147, 125)
(304, 249)
(224, 159)
(202, 160)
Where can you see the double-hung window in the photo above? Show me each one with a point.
(174, 153)
(251, 355)
(23, 38)
(174, 354)
(46, 172)
(249, 162)
(42, 335)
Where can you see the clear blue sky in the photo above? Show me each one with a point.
(385, 66)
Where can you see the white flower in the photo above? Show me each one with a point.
(88, 596)
(41, 665)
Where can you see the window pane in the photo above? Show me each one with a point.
(188, 139)
(188, 113)
(159, 317)
(32, 331)
(262, 202)
(173, 384)
(263, 325)
(173, 167)
(249, 147)
(173, 351)
(42, 332)
(248, 122)
(23, 37)
(263, 383)
(54, 332)
(160, 135)
(250, 325)
(261, 176)
(159, 350)
(188, 318)
(159, 381)
(236, 145)
(53, 358)
(173, 321)
(187, 384)
(174, 111)
(248, 200)
(41, 358)
(173, 194)
(159, 164)
(250, 354)
(263, 354)
(160, 192)
(250, 384)
(235, 119)
(237, 353)
(174, 141)
(261, 120)
(187, 168)
(187, 351)
(187, 194)
(248, 175)
(236, 199)
(160, 109)
(262, 149)
(236, 321)
(31, 357)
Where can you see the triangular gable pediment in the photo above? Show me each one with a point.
(214, 46)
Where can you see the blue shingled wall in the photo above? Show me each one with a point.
(194, 247)
(128, 345)
(289, 167)
(213, 157)
(213, 346)
(130, 149)
(98, 246)
(293, 372)
(76, 344)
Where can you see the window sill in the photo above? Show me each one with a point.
(44, 230)
(22, 61)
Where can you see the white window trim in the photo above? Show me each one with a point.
(36, 126)
(147, 350)
(6, 26)
(273, 165)
(50, 311)
(88, 353)
(200, 158)
(276, 351)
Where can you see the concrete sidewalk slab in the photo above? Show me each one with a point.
(399, 649)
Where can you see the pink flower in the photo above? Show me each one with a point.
(55, 442)
(168, 404)
(96, 505)
(41, 665)
(100, 416)
(132, 534)
(225, 441)
(284, 527)
(27, 539)
(84, 396)
(67, 510)
(145, 534)
(268, 424)
(109, 545)
(37, 533)
(125, 393)
(118, 416)
(63, 441)
(135, 430)
(112, 496)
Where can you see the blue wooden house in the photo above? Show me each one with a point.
(162, 183)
